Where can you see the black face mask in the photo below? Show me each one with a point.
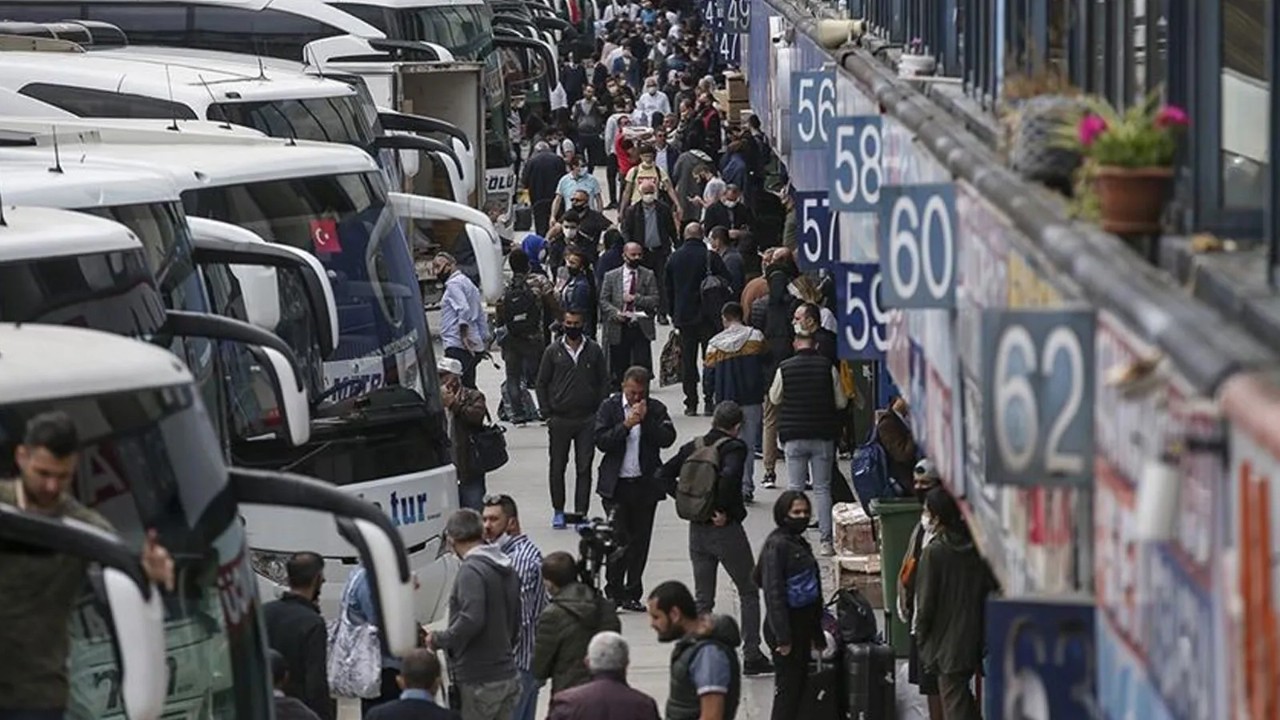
(575, 270)
(573, 333)
(631, 263)
(578, 206)
(796, 526)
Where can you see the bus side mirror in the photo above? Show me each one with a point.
(139, 629)
(295, 410)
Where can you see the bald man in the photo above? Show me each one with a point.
(628, 304)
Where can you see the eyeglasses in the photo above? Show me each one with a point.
(499, 499)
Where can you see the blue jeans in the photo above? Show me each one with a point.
(752, 425)
(471, 492)
(813, 459)
(527, 703)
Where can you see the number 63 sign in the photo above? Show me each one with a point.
(1037, 388)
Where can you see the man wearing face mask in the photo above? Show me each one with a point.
(926, 479)
(464, 326)
(648, 172)
(650, 102)
(730, 213)
(592, 225)
(575, 181)
(628, 303)
(652, 224)
(296, 630)
(541, 177)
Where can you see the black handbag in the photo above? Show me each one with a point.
(489, 446)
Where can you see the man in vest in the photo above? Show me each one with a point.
(806, 391)
(705, 679)
(721, 539)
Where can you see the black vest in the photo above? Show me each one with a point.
(682, 698)
(808, 410)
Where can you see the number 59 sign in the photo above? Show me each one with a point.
(1037, 388)
(917, 245)
(864, 333)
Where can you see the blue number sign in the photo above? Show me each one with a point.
(813, 108)
(1043, 660)
(856, 174)
(817, 234)
(738, 18)
(729, 47)
(1037, 388)
(917, 245)
(864, 334)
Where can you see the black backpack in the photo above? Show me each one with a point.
(521, 310)
(714, 292)
(855, 618)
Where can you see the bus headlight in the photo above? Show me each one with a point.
(271, 565)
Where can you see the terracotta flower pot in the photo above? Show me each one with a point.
(1132, 199)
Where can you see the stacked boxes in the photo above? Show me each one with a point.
(734, 99)
(857, 561)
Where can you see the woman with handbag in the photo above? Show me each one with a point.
(466, 412)
(787, 573)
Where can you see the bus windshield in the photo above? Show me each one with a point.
(147, 462)
(112, 291)
(325, 119)
(344, 220)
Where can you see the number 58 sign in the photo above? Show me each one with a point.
(1037, 388)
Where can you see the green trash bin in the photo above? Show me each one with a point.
(895, 518)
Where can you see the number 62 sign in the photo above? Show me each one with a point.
(1037, 388)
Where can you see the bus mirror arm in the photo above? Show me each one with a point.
(417, 142)
(315, 281)
(364, 525)
(136, 608)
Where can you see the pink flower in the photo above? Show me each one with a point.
(1091, 126)
(1171, 116)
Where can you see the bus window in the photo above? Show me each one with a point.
(267, 32)
(87, 102)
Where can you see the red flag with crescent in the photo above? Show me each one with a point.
(324, 236)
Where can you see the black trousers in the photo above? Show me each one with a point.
(469, 361)
(593, 146)
(693, 345)
(541, 210)
(390, 691)
(633, 507)
(791, 671)
(656, 260)
(521, 357)
(580, 433)
(611, 172)
(634, 349)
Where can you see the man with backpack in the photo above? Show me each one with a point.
(527, 306)
(705, 477)
(697, 287)
(893, 431)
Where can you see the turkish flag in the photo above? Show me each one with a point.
(324, 236)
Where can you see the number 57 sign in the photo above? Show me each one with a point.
(1037, 388)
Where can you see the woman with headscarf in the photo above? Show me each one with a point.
(773, 315)
(787, 573)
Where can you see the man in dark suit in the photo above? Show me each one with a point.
(420, 682)
(628, 303)
(733, 214)
(651, 223)
(631, 429)
(297, 631)
(687, 269)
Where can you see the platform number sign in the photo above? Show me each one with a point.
(856, 174)
(1037, 387)
(729, 47)
(863, 320)
(711, 13)
(917, 245)
(738, 14)
(818, 234)
(813, 108)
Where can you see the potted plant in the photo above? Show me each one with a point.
(1131, 156)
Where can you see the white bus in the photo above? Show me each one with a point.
(150, 460)
(378, 428)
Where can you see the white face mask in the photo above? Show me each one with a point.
(799, 328)
(729, 203)
(570, 232)
(649, 198)
(651, 90)
(926, 520)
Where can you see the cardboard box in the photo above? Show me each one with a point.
(863, 573)
(736, 86)
(854, 531)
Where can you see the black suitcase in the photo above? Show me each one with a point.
(869, 688)
(822, 691)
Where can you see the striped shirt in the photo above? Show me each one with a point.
(526, 558)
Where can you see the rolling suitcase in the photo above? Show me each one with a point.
(822, 691)
(869, 681)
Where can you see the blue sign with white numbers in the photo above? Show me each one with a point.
(1037, 388)
(917, 245)
(856, 175)
(864, 334)
(738, 16)
(1043, 659)
(817, 231)
(813, 108)
(729, 46)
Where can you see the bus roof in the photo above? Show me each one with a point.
(195, 156)
(28, 180)
(49, 362)
(34, 232)
(408, 4)
(194, 83)
(315, 9)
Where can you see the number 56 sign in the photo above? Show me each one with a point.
(1037, 388)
